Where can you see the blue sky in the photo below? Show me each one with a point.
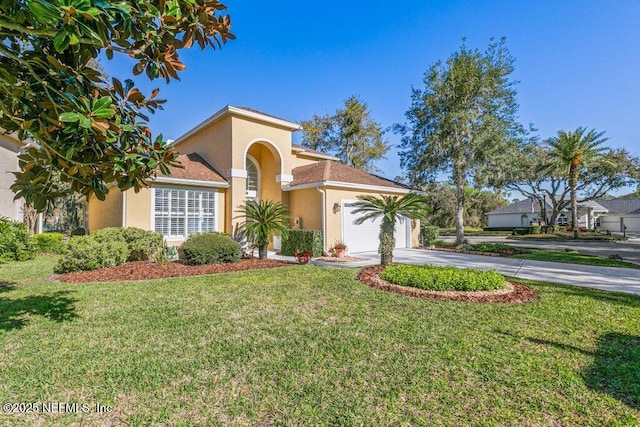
(577, 62)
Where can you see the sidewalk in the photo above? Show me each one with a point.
(614, 279)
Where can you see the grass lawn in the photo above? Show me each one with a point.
(573, 258)
(304, 345)
(472, 231)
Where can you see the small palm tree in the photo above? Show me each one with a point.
(571, 152)
(389, 208)
(263, 219)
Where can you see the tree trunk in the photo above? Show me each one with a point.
(387, 241)
(262, 252)
(459, 218)
(30, 216)
(574, 200)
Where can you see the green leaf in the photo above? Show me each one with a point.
(85, 122)
(69, 117)
(61, 41)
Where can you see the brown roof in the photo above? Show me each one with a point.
(329, 170)
(195, 167)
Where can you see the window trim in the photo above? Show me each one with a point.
(253, 160)
(184, 237)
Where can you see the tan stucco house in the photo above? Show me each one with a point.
(239, 154)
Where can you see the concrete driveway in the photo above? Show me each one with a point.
(628, 250)
(624, 280)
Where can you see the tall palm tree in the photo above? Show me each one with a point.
(263, 219)
(571, 152)
(389, 208)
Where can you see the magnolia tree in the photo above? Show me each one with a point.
(89, 131)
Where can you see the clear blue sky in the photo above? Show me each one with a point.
(578, 62)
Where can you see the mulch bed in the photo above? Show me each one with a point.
(514, 293)
(144, 270)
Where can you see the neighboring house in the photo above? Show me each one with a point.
(521, 214)
(9, 149)
(622, 213)
(240, 154)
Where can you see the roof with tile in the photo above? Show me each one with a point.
(622, 206)
(194, 167)
(329, 170)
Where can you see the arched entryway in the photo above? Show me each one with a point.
(263, 163)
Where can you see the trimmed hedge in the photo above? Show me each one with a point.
(303, 240)
(434, 278)
(142, 244)
(429, 234)
(16, 243)
(49, 243)
(87, 253)
(211, 248)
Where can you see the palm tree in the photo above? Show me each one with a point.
(263, 219)
(389, 208)
(571, 152)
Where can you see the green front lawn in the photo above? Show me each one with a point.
(574, 258)
(304, 345)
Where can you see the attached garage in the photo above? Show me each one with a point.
(364, 237)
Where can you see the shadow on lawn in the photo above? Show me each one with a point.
(615, 369)
(15, 313)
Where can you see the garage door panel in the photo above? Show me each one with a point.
(364, 237)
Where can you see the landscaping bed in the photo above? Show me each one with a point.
(512, 293)
(143, 270)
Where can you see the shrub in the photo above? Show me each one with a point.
(210, 248)
(443, 278)
(142, 244)
(499, 248)
(16, 244)
(49, 243)
(429, 234)
(535, 229)
(87, 253)
(303, 240)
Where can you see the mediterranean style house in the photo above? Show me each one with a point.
(239, 154)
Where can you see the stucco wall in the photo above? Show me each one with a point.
(8, 163)
(138, 209)
(246, 132)
(334, 220)
(213, 145)
(300, 159)
(306, 204)
(107, 213)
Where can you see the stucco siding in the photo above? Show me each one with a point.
(212, 144)
(107, 213)
(138, 209)
(246, 132)
(306, 205)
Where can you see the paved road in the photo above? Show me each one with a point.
(628, 250)
(624, 280)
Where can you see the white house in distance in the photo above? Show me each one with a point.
(621, 213)
(523, 214)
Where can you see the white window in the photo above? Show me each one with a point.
(562, 219)
(179, 213)
(253, 178)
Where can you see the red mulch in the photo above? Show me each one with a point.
(520, 293)
(143, 270)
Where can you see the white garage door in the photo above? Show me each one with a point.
(632, 223)
(364, 237)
